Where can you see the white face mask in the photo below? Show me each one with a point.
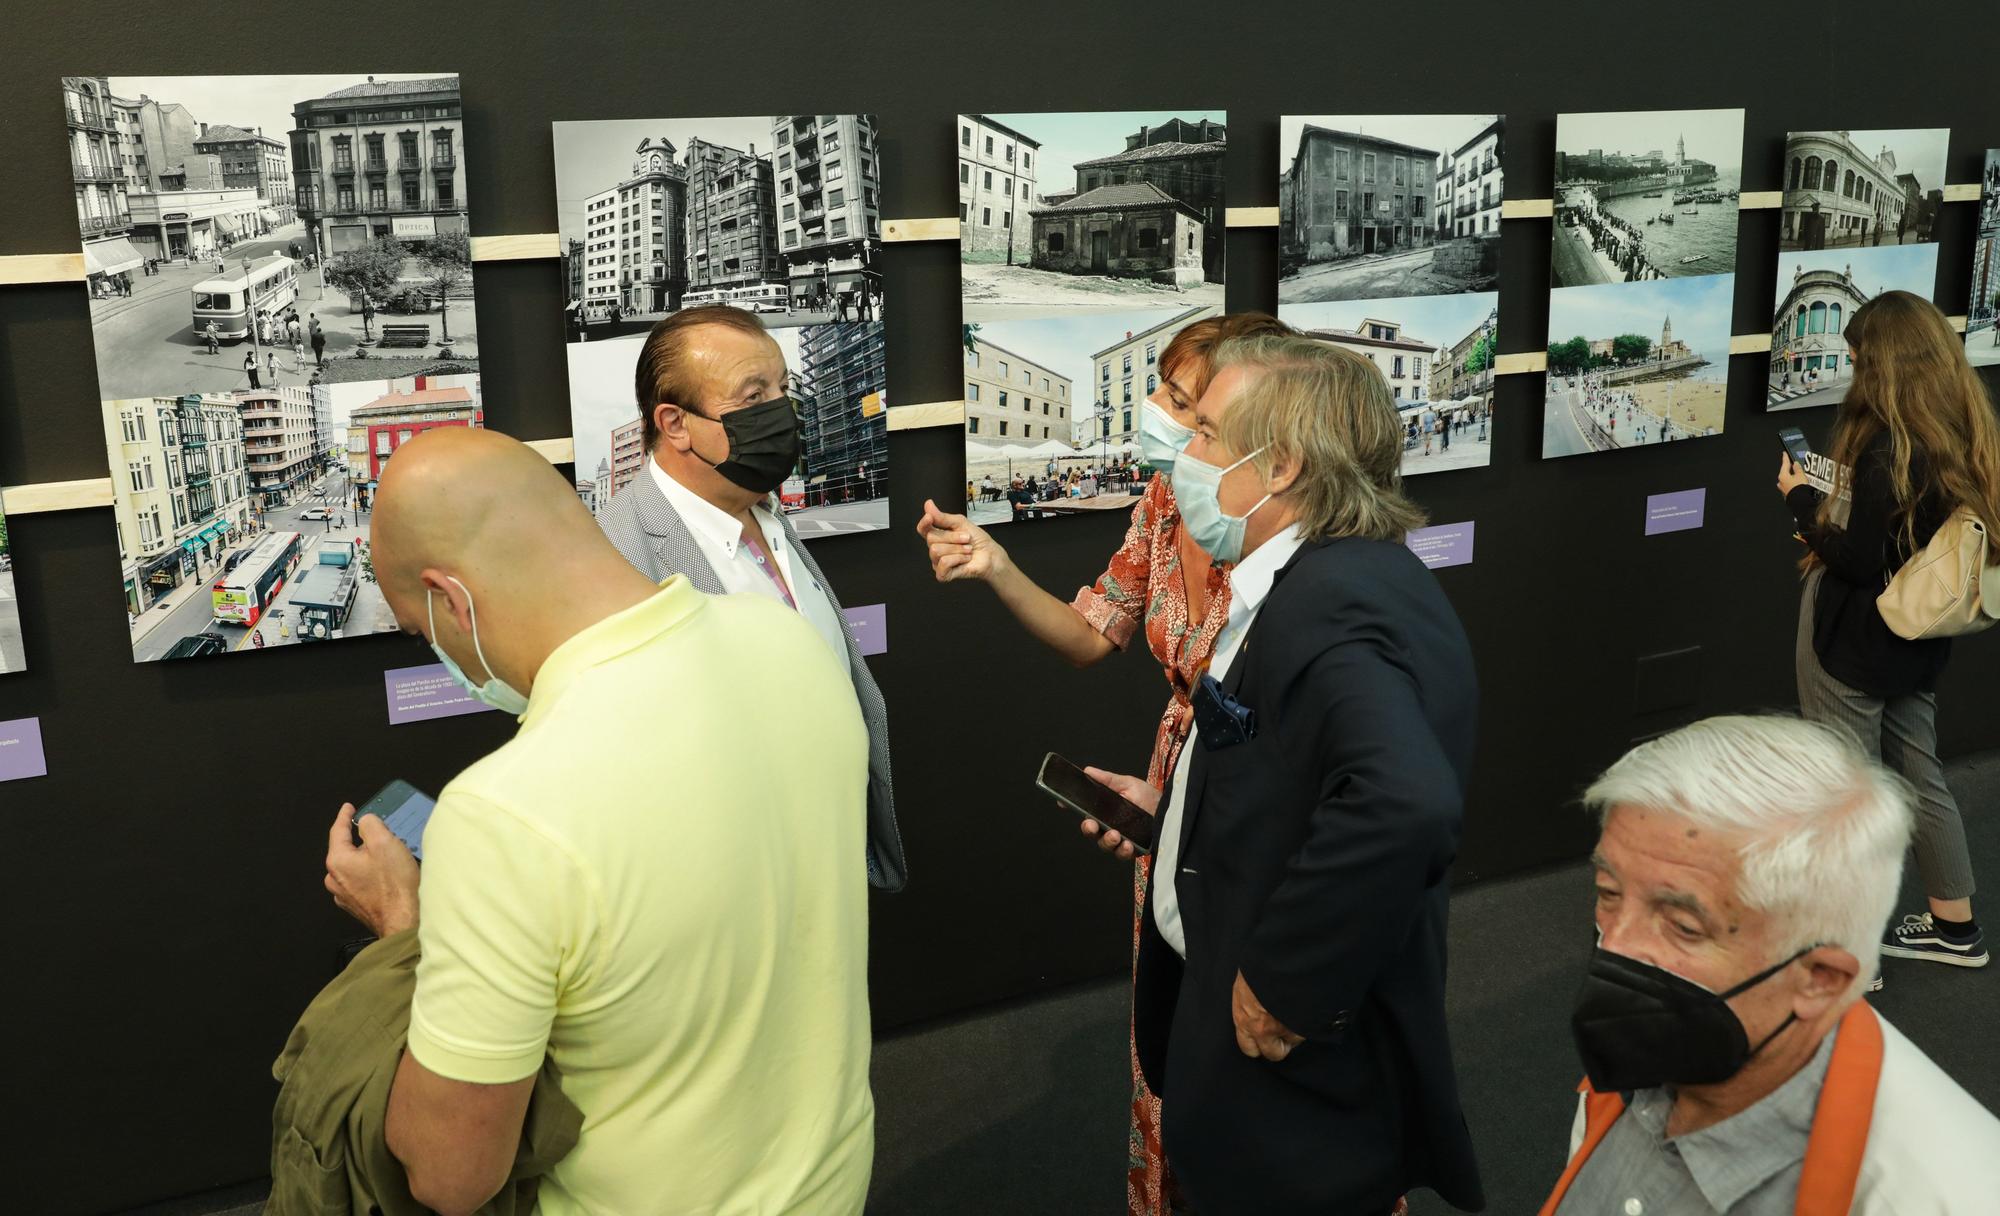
(495, 692)
(1197, 490)
(1161, 438)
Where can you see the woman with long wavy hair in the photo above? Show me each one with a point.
(1159, 585)
(1914, 441)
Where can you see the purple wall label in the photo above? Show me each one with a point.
(1442, 544)
(870, 623)
(1675, 512)
(418, 694)
(21, 750)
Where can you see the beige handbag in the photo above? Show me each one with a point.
(1947, 589)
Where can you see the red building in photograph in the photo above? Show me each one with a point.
(377, 429)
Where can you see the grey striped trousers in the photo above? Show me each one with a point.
(1902, 733)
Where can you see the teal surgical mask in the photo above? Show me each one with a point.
(1161, 439)
(496, 692)
(1197, 485)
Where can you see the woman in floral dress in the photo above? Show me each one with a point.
(1159, 582)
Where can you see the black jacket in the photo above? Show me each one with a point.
(1849, 636)
(1315, 860)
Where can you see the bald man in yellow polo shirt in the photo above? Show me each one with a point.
(636, 885)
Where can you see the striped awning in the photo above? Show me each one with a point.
(114, 255)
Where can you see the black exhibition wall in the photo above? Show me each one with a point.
(164, 891)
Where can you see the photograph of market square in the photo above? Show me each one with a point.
(1646, 195)
(243, 516)
(1862, 189)
(1106, 211)
(1395, 205)
(837, 375)
(1982, 334)
(1630, 374)
(1817, 294)
(657, 215)
(1436, 353)
(237, 229)
(1052, 411)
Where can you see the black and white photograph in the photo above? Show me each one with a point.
(1862, 189)
(1818, 292)
(777, 215)
(1103, 211)
(1982, 322)
(837, 375)
(12, 656)
(1631, 364)
(243, 516)
(236, 228)
(1052, 411)
(1646, 195)
(1389, 205)
(1436, 353)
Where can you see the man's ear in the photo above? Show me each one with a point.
(670, 424)
(1285, 469)
(446, 598)
(1830, 974)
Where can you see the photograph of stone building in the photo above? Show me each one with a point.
(1982, 334)
(1861, 189)
(1631, 364)
(1817, 294)
(1389, 205)
(12, 656)
(1646, 195)
(1090, 212)
(775, 214)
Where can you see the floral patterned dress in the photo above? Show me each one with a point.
(1143, 588)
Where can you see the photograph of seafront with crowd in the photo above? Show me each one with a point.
(1390, 205)
(1646, 195)
(1982, 324)
(779, 215)
(1436, 353)
(1862, 189)
(1818, 293)
(1644, 363)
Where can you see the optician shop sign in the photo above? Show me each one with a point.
(413, 225)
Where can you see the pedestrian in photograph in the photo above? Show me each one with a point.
(213, 337)
(298, 349)
(271, 365)
(250, 368)
(318, 344)
(367, 316)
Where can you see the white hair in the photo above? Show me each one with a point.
(1823, 827)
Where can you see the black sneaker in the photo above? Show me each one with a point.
(1918, 937)
(1875, 985)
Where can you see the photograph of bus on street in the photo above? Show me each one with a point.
(251, 232)
(1643, 363)
(12, 656)
(776, 214)
(243, 516)
(837, 374)
(1982, 334)
(1818, 292)
(1646, 195)
(1862, 189)
(1090, 212)
(1388, 205)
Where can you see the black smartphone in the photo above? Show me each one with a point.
(404, 810)
(1795, 443)
(1072, 787)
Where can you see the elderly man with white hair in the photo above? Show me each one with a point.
(1745, 869)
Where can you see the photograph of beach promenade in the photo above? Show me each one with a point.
(1646, 195)
(1636, 364)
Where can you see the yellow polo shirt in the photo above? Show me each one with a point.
(654, 883)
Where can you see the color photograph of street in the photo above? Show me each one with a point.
(1818, 293)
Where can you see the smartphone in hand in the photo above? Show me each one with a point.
(1796, 446)
(1073, 787)
(403, 809)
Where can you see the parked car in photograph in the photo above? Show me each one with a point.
(197, 645)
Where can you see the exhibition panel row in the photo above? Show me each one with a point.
(281, 293)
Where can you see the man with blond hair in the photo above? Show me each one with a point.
(1289, 1002)
(1745, 869)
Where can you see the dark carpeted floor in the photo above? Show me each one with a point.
(1022, 1109)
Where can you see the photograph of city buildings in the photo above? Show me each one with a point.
(1982, 334)
(216, 210)
(838, 373)
(1090, 212)
(1818, 292)
(657, 215)
(1645, 196)
(1395, 205)
(1436, 352)
(1862, 189)
(1642, 363)
(12, 656)
(243, 516)
(1052, 411)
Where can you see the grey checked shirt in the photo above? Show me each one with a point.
(1746, 1165)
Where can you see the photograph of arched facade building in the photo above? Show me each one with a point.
(1862, 189)
(1817, 294)
(1982, 314)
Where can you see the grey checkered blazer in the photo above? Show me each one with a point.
(644, 527)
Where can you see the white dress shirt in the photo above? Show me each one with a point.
(1249, 583)
(719, 536)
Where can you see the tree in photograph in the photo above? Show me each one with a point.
(370, 272)
(447, 264)
(1480, 357)
(1631, 348)
(1569, 358)
(969, 334)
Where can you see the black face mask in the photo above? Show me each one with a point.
(763, 444)
(1638, 1026)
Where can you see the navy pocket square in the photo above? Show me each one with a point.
(1220, 719)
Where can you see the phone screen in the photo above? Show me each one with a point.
(404, 809)
(1795, 443)
(1072, 787)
